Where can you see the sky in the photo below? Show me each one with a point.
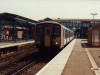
(40, 9)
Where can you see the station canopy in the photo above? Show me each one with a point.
(9, 19)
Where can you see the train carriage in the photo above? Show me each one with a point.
(52, 35)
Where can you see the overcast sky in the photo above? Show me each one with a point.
(40, 9)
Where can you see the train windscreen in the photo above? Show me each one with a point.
(39, 30)
(47, 32)
(56, 31)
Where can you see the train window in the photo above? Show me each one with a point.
(39, 30)
(47, 32)
(56, 30)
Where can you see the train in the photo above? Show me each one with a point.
(50, 35)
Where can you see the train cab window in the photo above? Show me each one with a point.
(56, 31)
(39, 30)
(47, 31)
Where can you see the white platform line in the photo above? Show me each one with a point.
(16, 44)
(94, 65)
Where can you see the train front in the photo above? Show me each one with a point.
(48, 35)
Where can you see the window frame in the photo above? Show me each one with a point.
(54, 30)
(41, 27)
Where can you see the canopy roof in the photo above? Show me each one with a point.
(62, 19)
(95, 27)
(10, 18)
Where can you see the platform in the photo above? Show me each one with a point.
(77, 58)
(56, 65)
(12, 43)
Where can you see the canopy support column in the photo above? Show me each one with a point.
(26, 32)
(82, 32)
(15, 30)
(0, 30)
(33, 33)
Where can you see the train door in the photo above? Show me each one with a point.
(47, 36)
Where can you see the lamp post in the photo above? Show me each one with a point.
(93, 17)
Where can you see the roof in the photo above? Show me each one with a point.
(11, 17)
(61, 19)
(48, 22)
(19, 19)
(76, 19)
(95, 27)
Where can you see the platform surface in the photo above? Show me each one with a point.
(56, 65)
(78, 59)
(78, 62)
(12, 43)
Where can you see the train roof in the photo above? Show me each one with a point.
(48, 22)
(54, 23)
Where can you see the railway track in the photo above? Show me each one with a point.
(23, 50)
(20, 68)
(24, 68)
(16, 55)
(12, 67)
(9, 65)
(34, 67)
(21, 65)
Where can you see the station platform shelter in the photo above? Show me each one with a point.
(15, 27)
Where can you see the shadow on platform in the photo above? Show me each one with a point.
(86, 45)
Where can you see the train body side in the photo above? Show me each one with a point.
(67, 36)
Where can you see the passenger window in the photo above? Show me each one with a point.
(56, 31)
(39, 30)
(47, 32)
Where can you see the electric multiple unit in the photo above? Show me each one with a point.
(52, 35)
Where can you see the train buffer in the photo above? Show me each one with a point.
(74, 60)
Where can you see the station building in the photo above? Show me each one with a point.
(80, 26)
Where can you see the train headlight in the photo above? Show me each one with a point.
(38, 42)
(39, 39)
(57, 43)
